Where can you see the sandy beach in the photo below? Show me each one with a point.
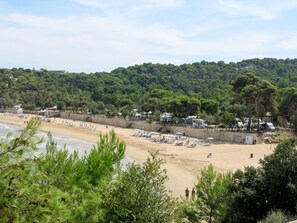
(183, 164)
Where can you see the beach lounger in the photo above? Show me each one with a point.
(156, 140)
(200, 141)
(146, 136)
(208, 141)
(170, 141)
(179, 143)
(192, 145)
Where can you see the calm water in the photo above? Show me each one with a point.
(72, 144)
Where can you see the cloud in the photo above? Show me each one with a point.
(265, 10)
(289, 43)
(244, 9)
(82, 42)
(97, 43)
(130, 5)
(91, 3)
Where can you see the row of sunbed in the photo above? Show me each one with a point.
(170, 139)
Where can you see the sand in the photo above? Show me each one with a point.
(183, 164)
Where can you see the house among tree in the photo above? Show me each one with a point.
(18, 109)
(137, 116)
(52, 112)
(166, 117)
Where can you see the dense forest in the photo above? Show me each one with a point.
(60, 187)
(201, 88)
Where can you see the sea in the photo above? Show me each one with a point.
(70, 144)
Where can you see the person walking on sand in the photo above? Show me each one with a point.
(187, 192)
(193, 193)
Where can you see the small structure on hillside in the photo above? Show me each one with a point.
(199, 123)
(166, 117)
(137, 116)
(189, 119)
(52, 112)
(18, 109)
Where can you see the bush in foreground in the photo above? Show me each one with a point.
(62, 187)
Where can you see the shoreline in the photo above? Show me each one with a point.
(183, 164)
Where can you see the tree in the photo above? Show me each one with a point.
(211, 196)
(139, 194)
(56, 186)
(182, 105)
(276, 217)
(288, 105)
(239, 110)
(76, 91)
(247, 200)
(210, 106)
(228, 119)
(270, 187)
(280, 177)
(257, 94)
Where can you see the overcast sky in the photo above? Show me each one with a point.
(101, 35)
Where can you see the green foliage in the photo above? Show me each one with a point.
(210, 204)
(62, 187)
(228, 119)
(211, 191)
(270, 187)
(288, 102)
(105, 157)
(15, 148)
(237, 109)
(139, 195)
(210, 106)
(179, 104)
(131, 86)
(187, 212)
(246, 191)
(275, 217)
(56, 186)
(280, 177)
(257, 94)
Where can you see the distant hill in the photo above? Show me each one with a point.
(129, 85)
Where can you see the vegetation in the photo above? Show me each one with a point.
(258, 96)
(257, 191)
(61, 187)
(276, 217)
(288, 105)
(139, 195)
(202, 88)
(209, 204)
(247, 196)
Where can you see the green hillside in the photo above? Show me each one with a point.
(138, 86)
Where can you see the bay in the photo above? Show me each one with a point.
(70, 143)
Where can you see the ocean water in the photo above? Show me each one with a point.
(70, 143)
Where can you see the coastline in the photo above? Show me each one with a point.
(182, 164)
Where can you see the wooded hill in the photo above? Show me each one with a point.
(125, 88)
